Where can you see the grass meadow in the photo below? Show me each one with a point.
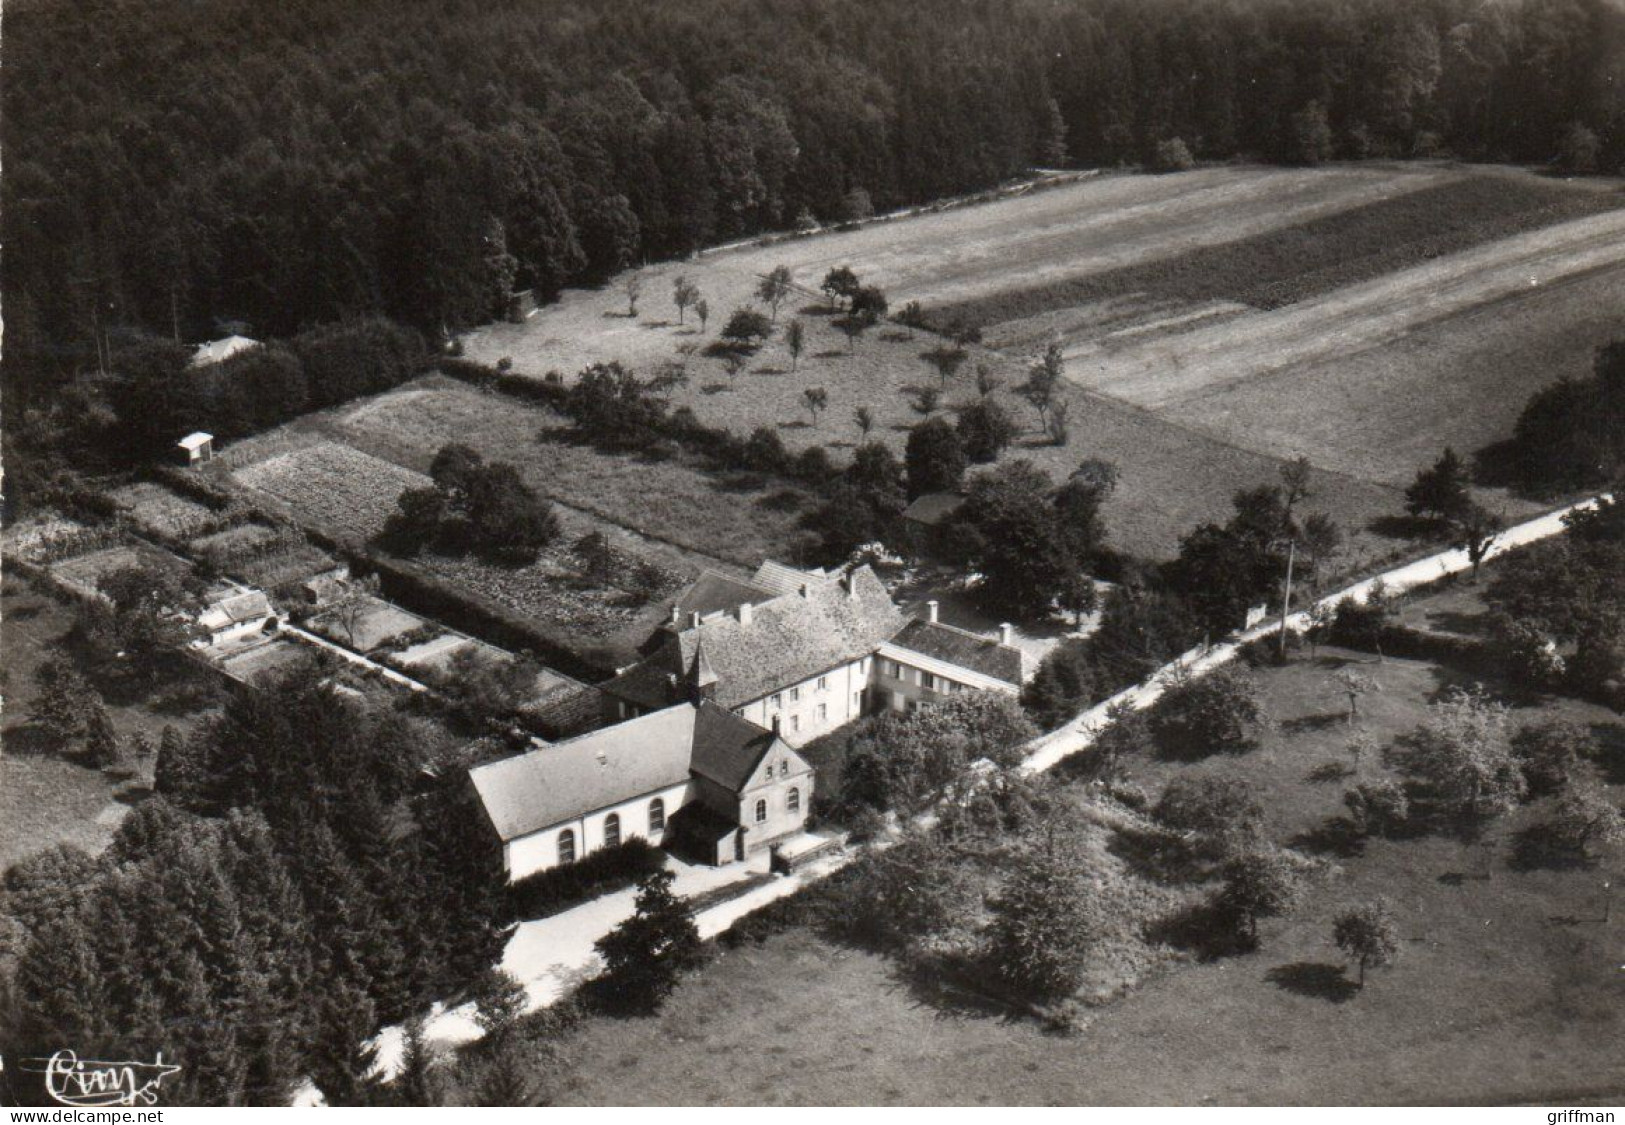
(1507, 989)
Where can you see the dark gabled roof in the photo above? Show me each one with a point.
(716, 593)
(934, 508)
(728, 748)
(790, 638)
(963, 649)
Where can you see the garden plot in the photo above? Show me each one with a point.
(157, 510)
(334, 486)
(85, 573)
(375, 623)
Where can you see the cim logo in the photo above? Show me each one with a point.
(93, 1082)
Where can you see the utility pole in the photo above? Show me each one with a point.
(1286, 595)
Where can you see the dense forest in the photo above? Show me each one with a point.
(181, 169)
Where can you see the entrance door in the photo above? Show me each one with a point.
(739, 844)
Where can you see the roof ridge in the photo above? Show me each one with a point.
(973, 635)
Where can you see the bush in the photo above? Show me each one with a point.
(1172, 155)
(1548, 753)
(548, 892)
(1221, 811)
(1218, 711)
(1377, 808)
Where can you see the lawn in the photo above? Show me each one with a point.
(45, 798)
(1507, 988)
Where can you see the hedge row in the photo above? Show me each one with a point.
(605, 870)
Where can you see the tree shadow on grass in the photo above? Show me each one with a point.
(1335, 836)
(657, 324)
(1404, 527)
(949, 989)
(1315, 979)
(1610, 757)
(798, 424)
(1305, 723)
(769, 370)
(830, 353)
(1156, 856)
(715, 388)
(1328, 772)
(1538, 848)
(1205, 929)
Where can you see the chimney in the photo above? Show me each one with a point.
(746, 612)
(805, 591)
(852, 586)
(694, 620)
(778, 721)
(676, 617)
(931, 611)
(1005, 633)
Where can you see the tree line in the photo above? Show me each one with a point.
(229, 163)
(296, 882)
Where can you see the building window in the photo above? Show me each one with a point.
(657, 816)
(612, 830)
(761, 811)
(793, 801)
(795, 722)
(896, 670)
(567, 846)
(857, 701)
(823, 683)
(823, 711)
(795, 695)
(784, 768)
(930, 681)
(777, 701)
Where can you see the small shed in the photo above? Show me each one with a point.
(929, 519)
(196, 448)
(217, 350)
(521, 305)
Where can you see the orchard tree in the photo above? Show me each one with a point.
(1043, 385)
(1585, 820)
(947, 361)
(853, 326)
(633, 287)
(1263, 883)
(1475, 531)
(1463, 752)
(702, 309)
(1220, 711)
(746, 328)
(839, 284)
(865, 420)
(986, 430)
(934, 458)
(869, 302)
(684, 293)
(795, 341)
(1367, 936)
(645, 956)
(816, 400)
(774, 288)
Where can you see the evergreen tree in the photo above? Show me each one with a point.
(103, 750)
(646, 955)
